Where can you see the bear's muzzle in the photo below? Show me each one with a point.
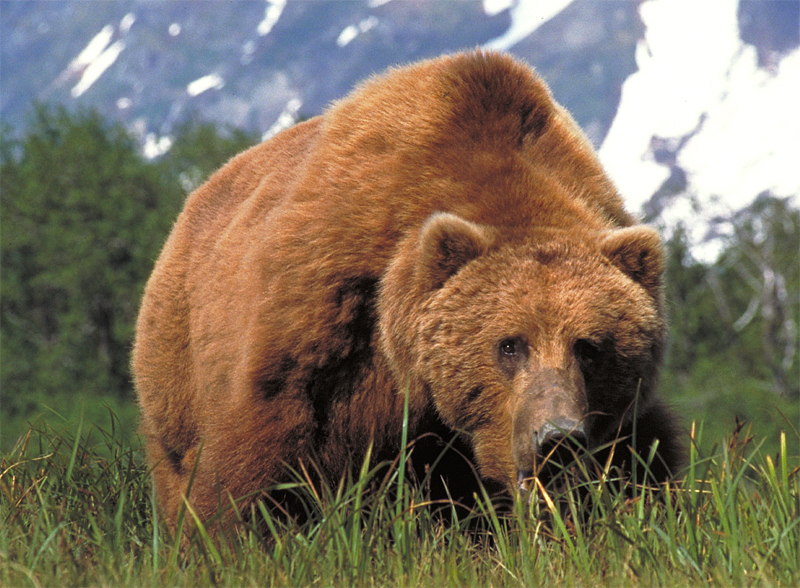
(556, 445)
(548, 425)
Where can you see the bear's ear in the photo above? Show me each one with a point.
(447, 243)
(637, 251)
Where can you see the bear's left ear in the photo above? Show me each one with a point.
(447, 243)
(637, 251)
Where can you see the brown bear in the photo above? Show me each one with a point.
(444, 235)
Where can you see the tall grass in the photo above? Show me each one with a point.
(78, 510)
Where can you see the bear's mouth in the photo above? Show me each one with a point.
(552, 474)
(559, 449)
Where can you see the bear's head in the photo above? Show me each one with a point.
(518, 336)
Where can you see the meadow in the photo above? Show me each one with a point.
(77, 510)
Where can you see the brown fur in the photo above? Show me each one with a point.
(390, 245)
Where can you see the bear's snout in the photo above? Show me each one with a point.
(548, 424)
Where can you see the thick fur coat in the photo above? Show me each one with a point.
(445, 232)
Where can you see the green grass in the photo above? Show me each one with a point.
(77, 510)
(64, 410)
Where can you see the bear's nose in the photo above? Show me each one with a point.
(559, 437)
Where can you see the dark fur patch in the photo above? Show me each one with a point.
(272, 387)
(655, 424)
(534, 120)
(489, 87)
(454, 475)
(473, 394)
(335, 381)
(175, 459)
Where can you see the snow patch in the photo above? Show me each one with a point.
(272, 14)
(351, 32)
(347, 35)
(96, 57)
(156, 146)
(127, 22)
(750, 141)
(286, 119)
(698, 83)
(700, 103)
(210, 82)
(248, 50)
(494, 7)
(93, 50)
(96, 68)
(526, 17)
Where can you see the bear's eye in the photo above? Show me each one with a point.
(511, 353)
(509, 347)
(588, 354)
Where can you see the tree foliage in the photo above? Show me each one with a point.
(734, 323)
(83, 218)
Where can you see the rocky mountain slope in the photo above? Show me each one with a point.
(691, 103)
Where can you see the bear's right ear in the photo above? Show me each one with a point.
(447, 243)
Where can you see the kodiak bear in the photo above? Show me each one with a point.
(444, 236)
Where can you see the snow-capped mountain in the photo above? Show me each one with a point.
(709, 121)
(691, 103)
